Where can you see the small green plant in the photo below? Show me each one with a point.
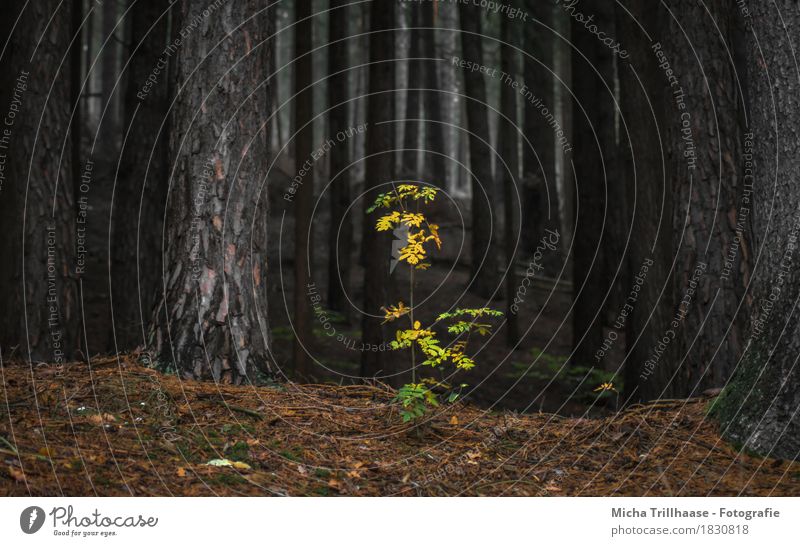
(416, 398)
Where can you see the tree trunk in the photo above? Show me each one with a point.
(304, 198)
(645, 312)
(212, 322)
(509, 140)
(539, 188)
(76, 82)
(108, 131)
(711, 255)
(139, 196)
(758, 409)
(38, 291)
(485, 280)
(593, 111)
(413, 128)
(379, 175)
(341, 227)
(434, 160)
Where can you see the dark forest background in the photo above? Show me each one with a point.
(188, 181)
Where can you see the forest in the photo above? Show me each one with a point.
(400, 248)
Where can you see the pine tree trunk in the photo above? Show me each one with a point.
(341, 227)
(379, 175)
(645, 312)
(38, 290)
(485, 280)
(509, 140)
(108, 131)
(304, 198)
(593, 111)
(141, 192)
(711, 259)
(413, 128)
(434, 160)
(212, 320)
(758, 409)
(540, 193)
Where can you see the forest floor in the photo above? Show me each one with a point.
(117, 428)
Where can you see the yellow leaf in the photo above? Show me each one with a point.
(385, 223)
(454, 420)
(240, 465)
(417, 325)
(413, 219)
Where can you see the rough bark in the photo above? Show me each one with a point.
(304, 198)
(141, 190)
(379, 173)
(645, 313)
(484, 263)
(509, 140)
(711, 258)
(593, 112)
(758, 409)
(540, 193)
(38, 290)
(341, 227)
(211, 322)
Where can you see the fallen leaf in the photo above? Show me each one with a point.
(101, 419)
(16, 474)
(227, 462)
(181, 472)
(454, 420)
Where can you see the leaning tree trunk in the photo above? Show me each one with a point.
(710, 220)
(644, 315)
(539, 189)
(138, 199)
(341, 227)
(38, 291)
(760, 407)
(211, 322)
(509, 140)
(485, 280)
(379, 175)
(304, 198)
(592, 63)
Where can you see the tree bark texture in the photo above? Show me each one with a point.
(38, 288)
(212, 320)
(759, 408)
